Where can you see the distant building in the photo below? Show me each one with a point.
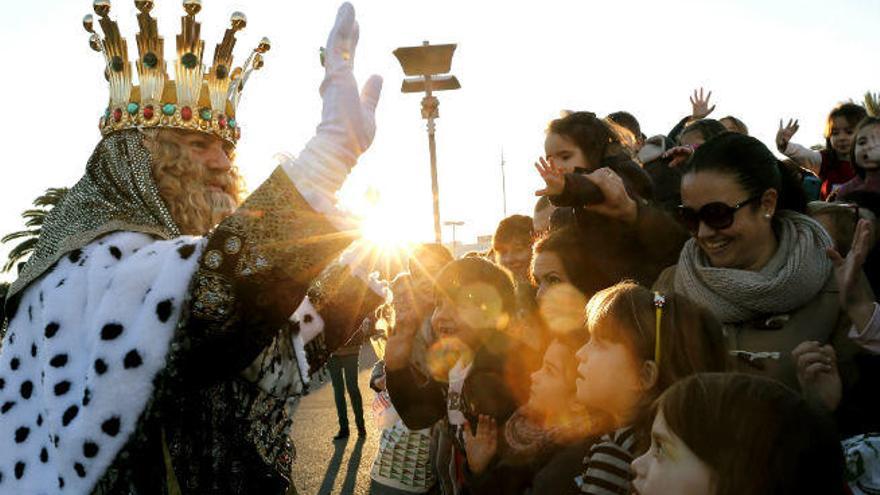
(483, 244)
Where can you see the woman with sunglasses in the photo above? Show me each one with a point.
(764, 270)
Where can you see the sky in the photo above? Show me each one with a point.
(519, 64)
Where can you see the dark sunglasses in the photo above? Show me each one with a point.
(716, 215)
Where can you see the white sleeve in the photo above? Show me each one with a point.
(805, 157)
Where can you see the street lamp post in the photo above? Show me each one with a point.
(453, 224)
(428, 65)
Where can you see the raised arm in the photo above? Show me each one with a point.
(259, 262)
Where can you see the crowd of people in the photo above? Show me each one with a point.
(684, 313)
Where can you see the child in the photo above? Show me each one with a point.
(865, 158)
(403, 463)
(831, 164)
(550, 421)
(641, 343)
(470, 357)
(726, 434)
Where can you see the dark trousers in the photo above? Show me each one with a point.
(347, 366)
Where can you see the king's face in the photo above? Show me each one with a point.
(208, 153)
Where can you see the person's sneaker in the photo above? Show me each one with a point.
(362, 432)
(341, 435)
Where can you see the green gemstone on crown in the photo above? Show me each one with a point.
(132, 108)
(169, 109)
(189, 60)
(232, 123)
(151, 60)
(205, 113)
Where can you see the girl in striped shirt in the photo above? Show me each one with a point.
(641, 342)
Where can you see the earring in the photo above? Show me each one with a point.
(767, 215)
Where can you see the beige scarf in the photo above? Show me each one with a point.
(793, 276)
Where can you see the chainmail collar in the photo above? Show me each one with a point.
(117, 193)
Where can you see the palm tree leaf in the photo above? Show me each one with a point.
(51, 197)
(872, 104)
(19, 252)
(18, 235)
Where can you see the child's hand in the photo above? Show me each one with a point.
(553, 176)
(700, 106)
(817, 373)
(679, 155)
(480, 448)
(784, 134)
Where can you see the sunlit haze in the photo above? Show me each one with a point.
(519, 64)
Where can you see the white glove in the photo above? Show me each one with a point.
(348, 120)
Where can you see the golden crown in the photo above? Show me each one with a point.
(195, 100)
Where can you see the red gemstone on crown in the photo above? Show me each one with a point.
(148, 112)
(186, 113)
(117, 114)
(222, 122)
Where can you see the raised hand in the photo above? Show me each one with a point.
(854, 293)
(481, 447)
(784, 134)
(817, 373)
(348, 116)
(553, 175)
(700, 108)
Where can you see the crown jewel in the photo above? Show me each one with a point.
(195, 100)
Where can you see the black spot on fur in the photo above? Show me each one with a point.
(100, 366)
(60, 482)
(58, 361)
(111, 331)
(87, 397)
(26, 389)
(186, 251)
(90, 449)
(61, 282)
(51, 329)
(7, 406)
(69, 414)
(55, 440)
(115, 252)
(44, 455)
(74, 255)
(163, 310)
(12, 338)
(2, 384)
(14, 363)
(19, 470)
(30, 313)
(111, 426)
(62, 388)
(132, 359)
(307, 318)
(33, 350)
(80, 470)
(41, 297)
(39, 420)
(21, 434)
(12, 307)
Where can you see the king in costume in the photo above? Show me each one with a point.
(146, 352)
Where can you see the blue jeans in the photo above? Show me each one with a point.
(344, 374)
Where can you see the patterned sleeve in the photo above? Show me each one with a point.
(255, 270)
(607, 466)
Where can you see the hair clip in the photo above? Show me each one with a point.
(659, 303)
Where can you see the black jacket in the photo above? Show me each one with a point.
(617, 250)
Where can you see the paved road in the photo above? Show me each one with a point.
(323, 466)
